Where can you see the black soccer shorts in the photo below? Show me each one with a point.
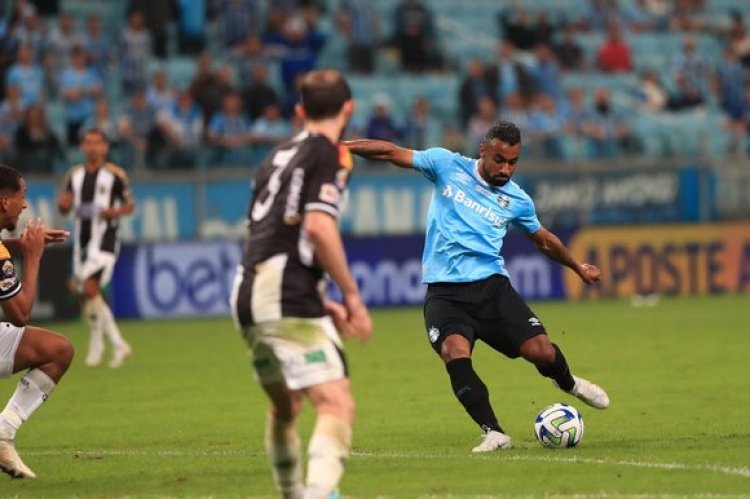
(489, 310)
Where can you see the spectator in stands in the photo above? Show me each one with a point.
(244, 58)
(238, 19)
(191, 26)
(37, 147)
(98, 47)
(546, 127)
(569, 52)
(686, 15)
(59, 49)
(29, 32)
(652, 93)
(480, 122)
(157, 14)
(422, 131)
(159, 95)
(358, 21)
(182, 128)
(517, 27)
(137, 127)
(209, 87)
(258, 93)
(692, 72)
(11, 108)
(381, 124)
(414, 35)
(135, 54)
(515, 110)
(103, 121)
(11, 114)
(453, 140)
(731, 83)
(739, 38)
(607, 131)
(509, 75)
(545, 73)
(80, 86)
(576, 117)
(685, 95)
(297, 49)
(477, 84)
(27, 76)
(600, 15)
(268, 131)
(229, 132)
(640, 16)
(614, 54)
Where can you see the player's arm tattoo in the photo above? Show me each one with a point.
(381, 150)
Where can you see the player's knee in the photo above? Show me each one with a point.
(538, 350)
(90, 288)
(64, 352)
(287, 410)
(455, 347)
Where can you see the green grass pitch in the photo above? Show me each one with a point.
(184, 416)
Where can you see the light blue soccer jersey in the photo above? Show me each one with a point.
(468, 218)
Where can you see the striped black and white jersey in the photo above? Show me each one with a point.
(94, 192)
(280, 274)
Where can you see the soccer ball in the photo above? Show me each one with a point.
(559, 426)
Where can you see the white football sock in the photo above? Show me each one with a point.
(96, 334)
(327, 453)
(284, 451)
(109, 326)
(32, 390)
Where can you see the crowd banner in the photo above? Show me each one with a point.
(696, 259)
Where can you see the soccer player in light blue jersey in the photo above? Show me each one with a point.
(469, 296)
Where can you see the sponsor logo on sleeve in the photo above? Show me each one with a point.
(329, 193)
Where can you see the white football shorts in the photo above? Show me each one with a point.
(299, 352)
(10, 337)
(100, 261)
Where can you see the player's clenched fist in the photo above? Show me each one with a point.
(590, 273)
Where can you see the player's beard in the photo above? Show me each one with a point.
(495, 181)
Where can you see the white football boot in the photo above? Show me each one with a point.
(10, 461)
(590, 393)
(493, 440)
(121, 353)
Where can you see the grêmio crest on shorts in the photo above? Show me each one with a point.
(10, 285)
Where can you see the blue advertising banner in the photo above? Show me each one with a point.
(174, 279)
(195, 279)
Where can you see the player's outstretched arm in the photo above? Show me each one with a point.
(382, 151)
(550, 245)
(322, 231)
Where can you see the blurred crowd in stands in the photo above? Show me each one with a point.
(230, 92)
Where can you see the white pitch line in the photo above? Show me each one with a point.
(709, 468)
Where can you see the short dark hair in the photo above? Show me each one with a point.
(97, 131)
(504, 131)
(10, 179)
(323, 94)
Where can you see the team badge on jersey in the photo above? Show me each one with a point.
(8, 269)
(503, 200)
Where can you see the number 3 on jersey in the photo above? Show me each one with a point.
(280, 161)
